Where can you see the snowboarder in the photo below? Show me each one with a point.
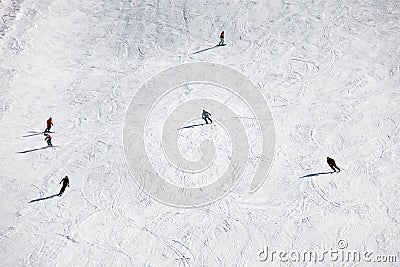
(331, 162)
(206, 115)
(48, 139)
(221, 37)
(65, 183)
(49, 124)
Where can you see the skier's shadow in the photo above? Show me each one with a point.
(33, 133)
(192, 126)
(31, 150)
(316, 174)
(42, 198)
(208, 48)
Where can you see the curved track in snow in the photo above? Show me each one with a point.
(330, 71)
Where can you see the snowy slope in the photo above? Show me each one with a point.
(330, 71)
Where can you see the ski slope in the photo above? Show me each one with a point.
(329, 70)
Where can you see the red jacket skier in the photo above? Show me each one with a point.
(48, 139)
(221, 37)
(49, 124)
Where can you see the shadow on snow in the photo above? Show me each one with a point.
(316, 174)
(33, 133)
(42, 198)
(191, 126)
(212, 47)
(35, 149)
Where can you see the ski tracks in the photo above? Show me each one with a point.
(325, 194)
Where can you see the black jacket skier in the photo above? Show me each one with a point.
(206, 115)
(331, 162)
(65, 182)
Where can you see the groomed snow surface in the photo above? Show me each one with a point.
(330, 71)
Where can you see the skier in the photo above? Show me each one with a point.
(221, 37)
(206, 115)
(49, 124)
(65, 182)
(48, 139)
(331, 162)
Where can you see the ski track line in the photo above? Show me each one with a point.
(323, 195)
(333, 62)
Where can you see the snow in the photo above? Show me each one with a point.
(330, 73)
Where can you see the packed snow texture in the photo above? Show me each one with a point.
(330, 71)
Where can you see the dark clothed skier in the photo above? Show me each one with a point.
(222, 38)
(48, 139)
(49, 123)
(65, 183)
(206, 116)
(331, 162)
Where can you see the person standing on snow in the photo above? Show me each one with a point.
(49, 124)
(331, 162)
(206, 115)
(221, 37)
(65, 183)
(48, 139)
